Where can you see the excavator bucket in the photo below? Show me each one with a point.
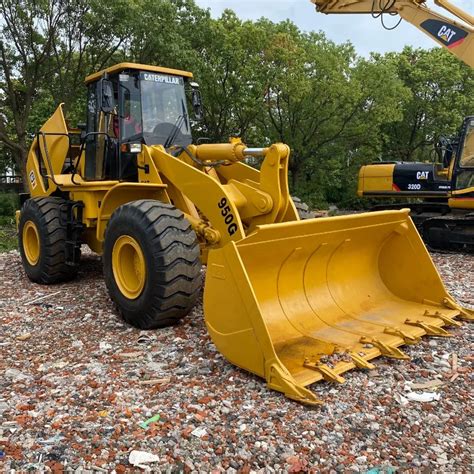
(304, 301)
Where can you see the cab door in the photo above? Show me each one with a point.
(101, 143)
(463, 173)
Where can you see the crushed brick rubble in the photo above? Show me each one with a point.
(78, 385)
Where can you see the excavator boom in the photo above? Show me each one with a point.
(456, 37)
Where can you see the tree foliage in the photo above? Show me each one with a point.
(260, 80)
(442, 93)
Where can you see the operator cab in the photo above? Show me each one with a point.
(464, 169)
(130, 105)
(445, 150)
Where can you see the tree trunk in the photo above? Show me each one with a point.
(20, 160)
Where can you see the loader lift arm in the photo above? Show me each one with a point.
(456, 37)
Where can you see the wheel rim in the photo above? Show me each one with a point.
(31, 242)
(128, 265)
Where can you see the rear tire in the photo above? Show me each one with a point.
(302, 209)
(42, 241)
(152, 263)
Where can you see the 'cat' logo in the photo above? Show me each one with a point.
(450, 36)
(446, 34)
(422, 174)
(32, 179)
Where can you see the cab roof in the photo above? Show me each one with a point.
(142, 67)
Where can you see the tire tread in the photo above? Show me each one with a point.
(46, 213)
(175, 255)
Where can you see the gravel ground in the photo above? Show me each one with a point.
(77, 382)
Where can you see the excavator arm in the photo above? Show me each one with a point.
(456, 37)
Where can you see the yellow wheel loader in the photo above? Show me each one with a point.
(293, 301)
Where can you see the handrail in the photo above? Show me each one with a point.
(83, 142)
(45, 145)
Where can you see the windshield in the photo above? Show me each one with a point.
(153, 109)
(467, 157)
(465, 173)
(164, 111)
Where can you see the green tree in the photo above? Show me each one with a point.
(45, 48)
(442, 93)
(25, 51)
(328, 106)
(260, 80)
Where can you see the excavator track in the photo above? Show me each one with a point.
(442, 228)
(419, 212)
(450, 232)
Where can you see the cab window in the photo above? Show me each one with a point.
(131, 111)
(467, 157)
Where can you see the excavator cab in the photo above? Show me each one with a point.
(463, 172)
(451, 171)
(130, 108)
(445, 151)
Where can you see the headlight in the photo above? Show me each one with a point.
(135, 147)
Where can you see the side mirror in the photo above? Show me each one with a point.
(196, 101)
(106, 96)
(82, 127)
(124, 105)
(441, 148)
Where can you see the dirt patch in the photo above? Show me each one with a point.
(79, 388)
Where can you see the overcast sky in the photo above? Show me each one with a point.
(366, 33)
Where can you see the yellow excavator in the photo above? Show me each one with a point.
(445, 218)
(293, 301)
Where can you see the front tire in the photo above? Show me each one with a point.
(42, 241)
(152, 263)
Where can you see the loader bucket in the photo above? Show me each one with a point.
(303, 301)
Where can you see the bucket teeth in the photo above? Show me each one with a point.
(360, 362)
(302, 297)
(279, 379)
(407, 338)
(467, 314)
(429, 328)
(328, 374)
(385, 349)
(447, 320)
